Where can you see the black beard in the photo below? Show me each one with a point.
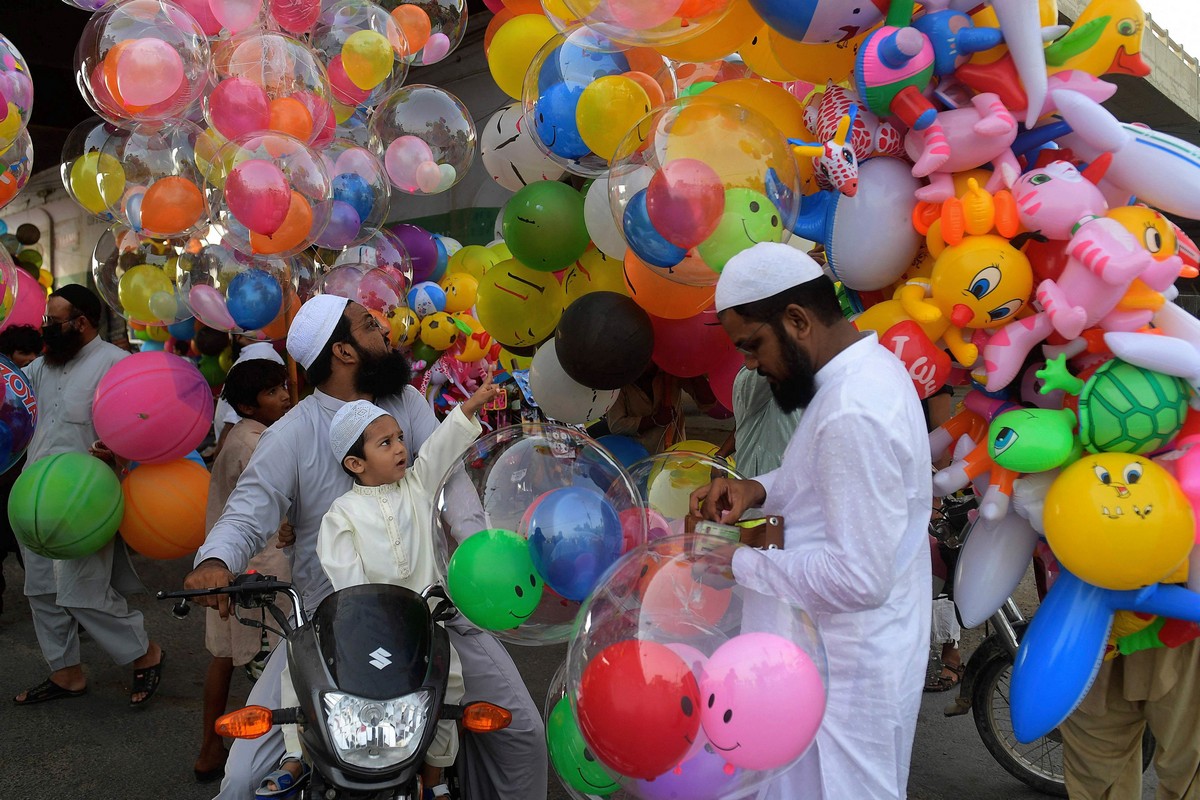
(61, 347)
(797, 388)
(381, 376)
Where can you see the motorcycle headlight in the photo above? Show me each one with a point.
(376, 734)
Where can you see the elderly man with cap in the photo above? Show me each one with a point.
(854, 490)
(88, 591)
(293, 474)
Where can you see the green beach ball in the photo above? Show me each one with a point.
(66, 506)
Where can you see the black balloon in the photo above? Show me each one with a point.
(210, 342)
(604, 340)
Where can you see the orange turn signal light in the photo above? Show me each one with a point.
(483, 717)
(250, 722)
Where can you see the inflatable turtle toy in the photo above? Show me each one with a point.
(1122, 408)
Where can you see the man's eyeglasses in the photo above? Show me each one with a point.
(750, 344)
(50, 322)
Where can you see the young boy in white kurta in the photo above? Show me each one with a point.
(381, 531)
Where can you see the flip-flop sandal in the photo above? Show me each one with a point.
(146, 681)
(288, 785)
(48, 690)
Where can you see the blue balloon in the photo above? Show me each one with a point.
(147, 346)
(183, 330)
(624, 449)
(354, 190)
(344, 225)
(644, 239)
(574, 536)
(571, 63)
(3, 227)
(443, 259)
(133, 210)
(254, 299)
(554, 119)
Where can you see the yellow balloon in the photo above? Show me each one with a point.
(608, 109)
(500, 251)
(512, 362)
(97, 181)
(461, 290)
(759, 56)
(137, 286)
(513, 49)
(367, 57)
(10, 126)
(226, 359)
(473, 260)
(815, 63)
(1099, 523)
(594, 272)
(720, 40)
(517, 305)
(406, 326)
(157, 333)
(439, 331)
(771, 100)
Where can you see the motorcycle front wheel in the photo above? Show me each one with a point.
(1038, 764)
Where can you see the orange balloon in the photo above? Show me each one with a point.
(523, 6)
(496, 22)
(164, 508)
(110, 76)
(769, 99)
(739, 24)
(815, 63)
(415, 23)
(662, 296)
(291, 234)
(650, 86)
(290, 116)
(171, 206)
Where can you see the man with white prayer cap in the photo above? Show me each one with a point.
(294, 475)
(854, 490)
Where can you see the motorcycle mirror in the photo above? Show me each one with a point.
(484, 717)
(250, 722)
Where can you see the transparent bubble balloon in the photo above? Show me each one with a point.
(16, 165)
(142, 60)
(16, 93)
(89, 5)
(364, 52)
(162, 195)
(583, 92)
(9, 281)
(686, 207)
(382, 249)
(433, 28)
(576, 768)
(297, 17)
(145, 279)
(686, 683)
(270, 193)
(237, 292)
(92, 179)
(382, 290)
(428, 139)
(270, 82)
(650, 21)
(532, 517)
(666, 481)
(361, 193)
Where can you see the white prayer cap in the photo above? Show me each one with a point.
(312, 327)
(763, 271)
(349, 423)
(264, 351)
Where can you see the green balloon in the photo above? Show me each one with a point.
(210, 367)
(570, 755)
(1033, 439)
(544, 227)
(749, 218)
(492, 580)
(66, 506)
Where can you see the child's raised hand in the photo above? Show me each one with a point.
(486, 392)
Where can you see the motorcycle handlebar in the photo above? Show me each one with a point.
(251, 590)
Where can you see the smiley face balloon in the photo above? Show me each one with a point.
(569, 754)
(1119, 521)
(749, 218)
(492, 580)
(517, 305)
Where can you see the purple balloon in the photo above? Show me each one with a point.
(422, 249)
(701, 777)
(343, 226)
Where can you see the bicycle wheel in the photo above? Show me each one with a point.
(1038, 764)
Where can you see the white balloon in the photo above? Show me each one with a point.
(598, 217)
(559, 396)
(992, 562)
(509, 153)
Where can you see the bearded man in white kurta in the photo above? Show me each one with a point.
(854, 490)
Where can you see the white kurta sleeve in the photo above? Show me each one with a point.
(861, 485)
(443, 448)
(337, 550)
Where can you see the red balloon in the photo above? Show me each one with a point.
(689, 347)
(238, 106)
(685, 200)
(928, 366)
(721, 374)
(638, 708)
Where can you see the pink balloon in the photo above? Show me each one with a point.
(201, 11)
(762, 700)
(238, 106)
(436, 48)
(296, 16)
(404, 156)
(236, 15)
(208, 304)
(322, 115)
(258, 195)
(494, 6)
(688, 347)
(149, 71)
(429, 176)
(30, 304)
(344, 89)
(685, 200)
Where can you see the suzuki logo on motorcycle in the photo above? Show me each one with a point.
(379, 659)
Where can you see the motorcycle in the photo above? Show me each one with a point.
(370, 671)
